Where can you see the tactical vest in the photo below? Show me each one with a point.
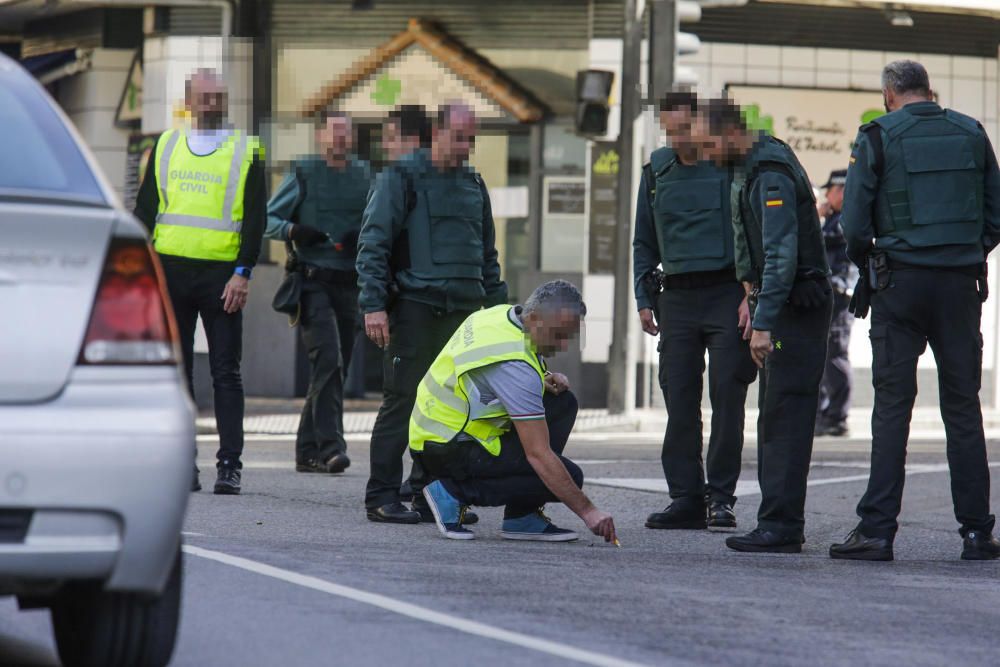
(445, 225)
(442, 410)
(691, 212)
(200, 213)
(774, 154)
(334, 203)
(931, 181)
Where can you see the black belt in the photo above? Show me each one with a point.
(330, 276)
(971, 270)
(697, 279)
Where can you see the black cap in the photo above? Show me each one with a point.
(838, 177)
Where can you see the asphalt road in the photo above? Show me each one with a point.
(291, 573)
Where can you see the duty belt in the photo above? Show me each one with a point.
(971, 270)
(330, 276)
(697, 279)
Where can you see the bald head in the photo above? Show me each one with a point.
(207, 99)
(453, 136)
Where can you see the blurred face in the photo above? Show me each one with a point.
(551, 333)
(207, 100)
(453, 143)
(677, 125)
(835, 197)
(336, 138)
(708, 147)
(397, 144)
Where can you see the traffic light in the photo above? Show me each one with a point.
(593, 88)
(686, 43)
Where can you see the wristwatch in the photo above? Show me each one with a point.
(244, 271)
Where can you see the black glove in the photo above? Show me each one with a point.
(307, 236)
(807, 294)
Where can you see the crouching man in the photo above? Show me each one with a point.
(491, 374)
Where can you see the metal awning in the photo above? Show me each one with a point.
(50, 67)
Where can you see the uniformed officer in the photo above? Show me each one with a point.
(781, 260)
(683, 222)
(318, 207)
(427, 260)
(924, 185)
(490, 422)
(204, 199)
(835, 390)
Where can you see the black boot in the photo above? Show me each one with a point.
(680, 515)
(860, 547)
(759, 540)
(721, 516)
(980, 545)
(338, 463)
(393, 513)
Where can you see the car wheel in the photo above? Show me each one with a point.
(97, 628)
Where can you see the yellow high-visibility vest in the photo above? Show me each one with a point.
(442, 408)
(201, 196)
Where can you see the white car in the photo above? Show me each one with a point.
(97, 438)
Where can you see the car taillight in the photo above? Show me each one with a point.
(132, 321)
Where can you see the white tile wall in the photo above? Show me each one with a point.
(805, 78)
(833, 59)
(763, 76)
(795, 57)
(867, 61)
(966, 67)
(969, 97)
(729, 54)
(937, 66)
(763, 56)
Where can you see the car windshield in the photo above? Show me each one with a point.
(38, 157)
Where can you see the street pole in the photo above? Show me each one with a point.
(618, 372)
(662, 28)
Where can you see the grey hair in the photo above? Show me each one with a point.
(555, 296)
(906, 76)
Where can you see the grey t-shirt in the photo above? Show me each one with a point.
(515, 385)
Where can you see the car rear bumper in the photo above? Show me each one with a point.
(106, 470)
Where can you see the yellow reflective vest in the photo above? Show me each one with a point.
(201, 196)
(442, 408)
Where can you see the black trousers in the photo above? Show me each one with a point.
(693, 321)
(195, 289)
(476, 477)
(329, 326)
(835, 390)
(789, 392)
(417, 332)
(941, 308)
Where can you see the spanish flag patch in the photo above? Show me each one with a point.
(775, 202)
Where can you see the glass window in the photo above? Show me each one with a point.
(38, 156)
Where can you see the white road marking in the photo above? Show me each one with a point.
(750, 488)
(413, 611)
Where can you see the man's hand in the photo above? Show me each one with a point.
(600, 524)
(377, 328)
(648, 321)
(760, 347)
(306, 236)
(556, 383)
(234, 296)
(746, 327)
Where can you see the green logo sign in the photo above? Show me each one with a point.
(755, 121)
(386, 90)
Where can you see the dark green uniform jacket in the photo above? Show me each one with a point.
(683, 220)
(929, 195)
(777, 229)
(331, 200)
(432, 234)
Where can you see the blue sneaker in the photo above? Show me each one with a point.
(535, 527)
(447, 512)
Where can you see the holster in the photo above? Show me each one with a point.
(879, 273)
